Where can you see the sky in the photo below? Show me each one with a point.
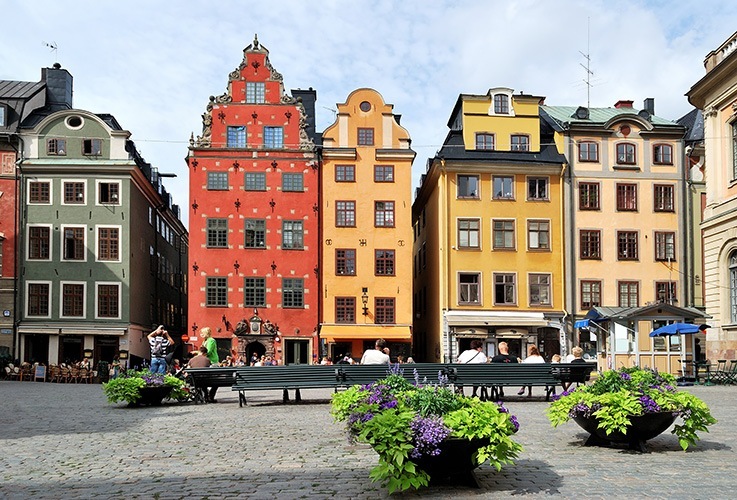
(153, 64)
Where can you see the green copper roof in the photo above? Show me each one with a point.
(567, 114)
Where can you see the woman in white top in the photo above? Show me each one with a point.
(533, 356)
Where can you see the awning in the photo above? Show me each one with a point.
(581, 323)
(495, 319)
(55, 330)
(346, 333)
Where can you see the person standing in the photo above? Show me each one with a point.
(378, 355)
(159, 341)
(212, 354)
(474, 355)
(502, 357)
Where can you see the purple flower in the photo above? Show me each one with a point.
(427, 434)
(649, 405)
(514, 421)
(625, 376)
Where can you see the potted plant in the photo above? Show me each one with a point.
(423, 431)
(144, 388)
(632, 405)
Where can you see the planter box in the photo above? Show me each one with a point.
(152, 396)
(643, 427)
(455, 462)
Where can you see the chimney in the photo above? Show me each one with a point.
(649, 105)
(58, 87)
(308, 98)
(623, 104)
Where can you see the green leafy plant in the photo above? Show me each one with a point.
(127, 387)
(619, 395)
(404, 422)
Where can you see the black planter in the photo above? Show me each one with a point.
(152, 396)
(643, 427)
(454, 464)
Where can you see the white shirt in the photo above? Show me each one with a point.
(472, 356)
(534, 359)
(374, 357)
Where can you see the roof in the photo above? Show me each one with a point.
(694, 123)
(601, 313)
(454, 149)
(10, 89)
(566, 115)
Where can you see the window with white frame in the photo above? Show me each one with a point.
(108, 243)
(73, 244)
(73, 192)
(733, 287)
(39, 192)
(108, 193)
(501, 104)
(72, 300)
(108, 300)
(38, 299)
(255, 92)
(39, 242)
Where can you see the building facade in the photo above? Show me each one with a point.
(254, 217)
(365, 209)
(488, 232)
(716, 95)
(101, 245)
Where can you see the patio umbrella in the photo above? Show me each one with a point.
(678, 329)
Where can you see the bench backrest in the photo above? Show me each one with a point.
(573, 372)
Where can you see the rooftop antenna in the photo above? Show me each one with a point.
(587, 56)
(53, 47)
(335, 112)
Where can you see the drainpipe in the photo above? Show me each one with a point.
(572, 303)
(17, 223)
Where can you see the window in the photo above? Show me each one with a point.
(626, 154)
(664, 198)
(345, 214)
(627, 245)
(109, 193)
(590, 244)
(503, 234)
(345, 173)
(73, 243)
(540, 290)
(92, 147)
(365, 136)
(588, 151)
(504, 289)
(383, 173)
(217, 233)
(273, 137)
(292, 182)
(254, 292)
(734, 150)
(469, 288)
(56, 147)
(39, 243)
(537, 188)
(217, 181)
(468, 233)
(733, 286)
(345, 262)
(503, 187)
(255, 92)
(628, 294)
(468, 186)
(501, 104)
(665, 246)
(236, 136)
(663, 154)
(627, 197)
(384, 263)
(384, 213)
(384, 310)
(293, 293)
(665, 292)
(485, 141)
(520, 143)
(345, 309)
(255, 181)
(255, 233)
(3, 116)
(588, 196)
(108, 243)
(292, 235)
(590, 294)
(538, 235)
(108, 300)
(39, 192)
(38, 299)
(216, 291)
(74, 193)
(72, 302)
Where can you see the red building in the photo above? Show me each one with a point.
(253, 217)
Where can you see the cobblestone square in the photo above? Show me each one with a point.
(66, 441)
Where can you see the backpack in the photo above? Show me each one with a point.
(158, 349)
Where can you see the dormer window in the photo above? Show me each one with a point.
(3, 116)
(501, 104)
(485, 141)
(520, 143)
(56, 147)
(92, 147)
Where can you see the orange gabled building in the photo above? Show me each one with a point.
(254, 217)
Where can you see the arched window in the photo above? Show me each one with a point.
(734, 150)
(733, 286)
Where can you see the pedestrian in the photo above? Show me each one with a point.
(159, 341)
(116, 367)
(212, 354)
(378, 355)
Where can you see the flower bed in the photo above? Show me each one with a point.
(618, 396)
(406, 423)
(128, 387)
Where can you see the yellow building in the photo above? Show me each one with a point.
(488, 227)
(366, 225)
(625, 228)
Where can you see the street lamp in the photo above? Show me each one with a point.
(364, 299)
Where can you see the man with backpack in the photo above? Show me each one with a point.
(159, 341)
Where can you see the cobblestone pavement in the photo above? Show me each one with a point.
(66, 441)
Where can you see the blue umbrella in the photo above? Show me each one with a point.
(677, 329)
